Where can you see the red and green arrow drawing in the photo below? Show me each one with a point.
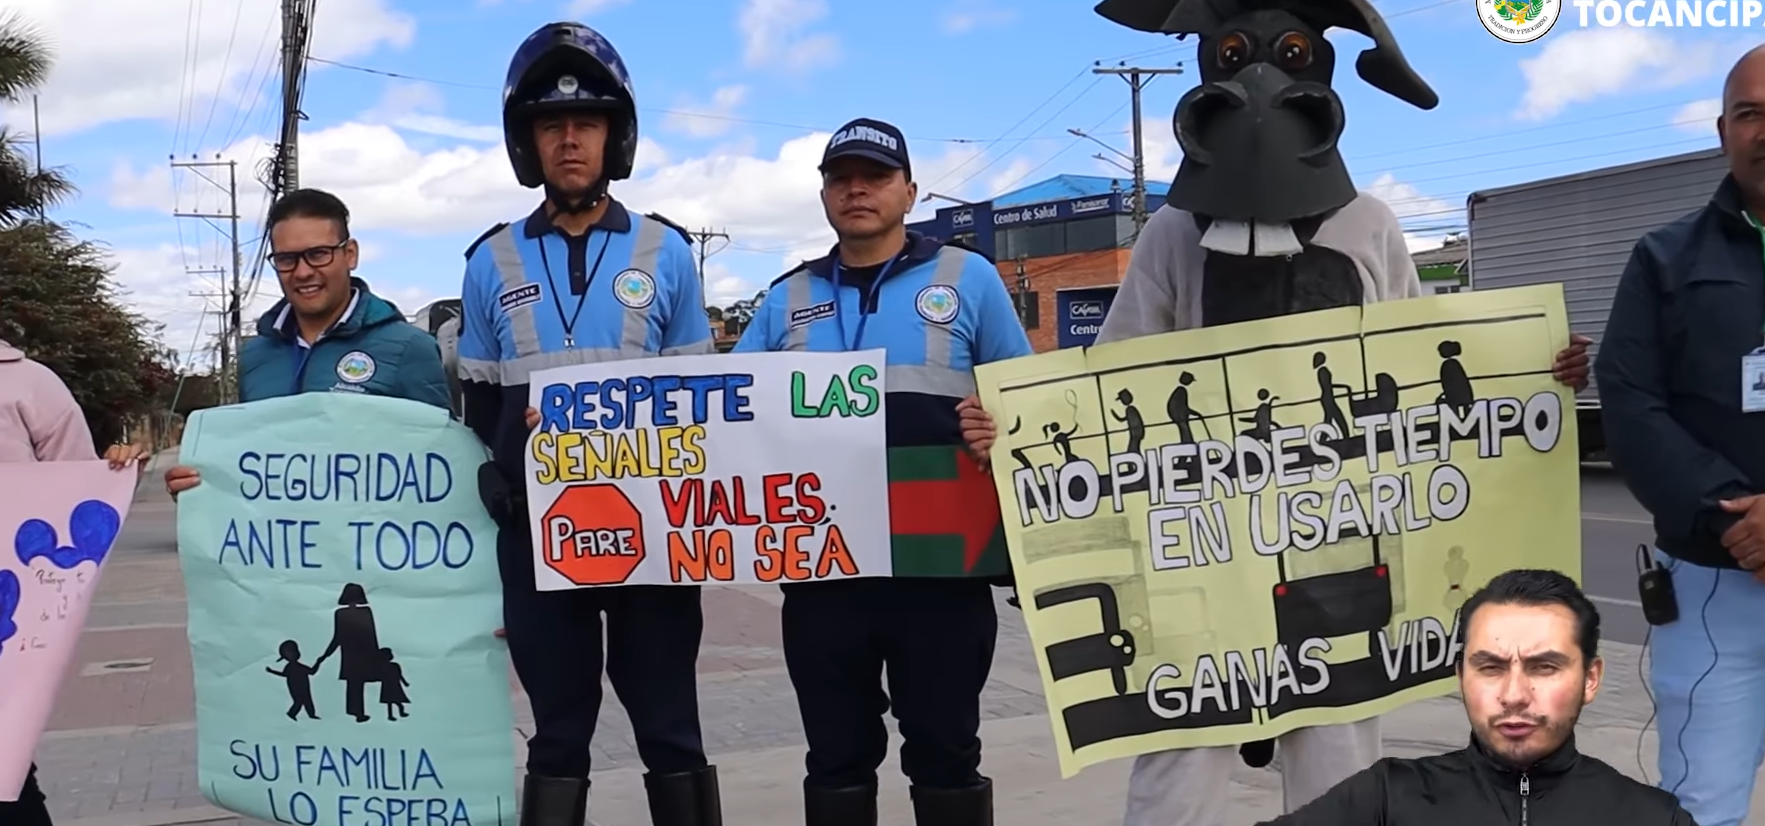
(944, 515)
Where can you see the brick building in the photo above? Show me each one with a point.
(1061, 246)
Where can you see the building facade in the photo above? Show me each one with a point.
(1061, 246)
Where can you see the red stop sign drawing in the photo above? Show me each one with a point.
(593, 535)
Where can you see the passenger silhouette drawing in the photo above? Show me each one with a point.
(1262, 422)
(354, 636)
(1180, 412)
(1017, 452)
(1062, 440)
(1328, 389)
(392, 686)
(298, 675)
(1455, 383)
(1131, 415)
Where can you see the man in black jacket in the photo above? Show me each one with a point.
(1530, 662)
(1679, 373)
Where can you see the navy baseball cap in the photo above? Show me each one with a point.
(872, 139)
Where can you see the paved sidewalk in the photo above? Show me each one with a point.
(120, 750)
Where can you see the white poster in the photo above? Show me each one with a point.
(751, 468)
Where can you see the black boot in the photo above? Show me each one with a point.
(972, 806)
(1257, 753)
(554, 801)
(854, 806)
(685, 799)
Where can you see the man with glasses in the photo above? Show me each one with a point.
(329, 333)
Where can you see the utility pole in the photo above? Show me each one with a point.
(703, 237)
(230, 341)
(285, 173)
(1137, 78)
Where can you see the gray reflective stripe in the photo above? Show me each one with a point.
(479, 370)
(936, 381)
(646, 255)
(797, 296)
(518, 371)
(514, 274)
(940, 339)
(702, 348)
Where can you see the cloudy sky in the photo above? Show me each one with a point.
(737, 98)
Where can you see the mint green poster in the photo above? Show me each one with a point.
(344, 597)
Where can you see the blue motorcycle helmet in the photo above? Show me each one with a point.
(568, 67)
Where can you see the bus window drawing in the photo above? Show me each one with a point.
(1349, 593)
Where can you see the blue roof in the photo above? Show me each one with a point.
(1068, 187)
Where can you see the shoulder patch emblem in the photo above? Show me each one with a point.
(635, 289)
(938, 304)
(517, 297)
(804, 316)
(356, 367)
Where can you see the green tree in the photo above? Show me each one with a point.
(58, 297)
(25, 192)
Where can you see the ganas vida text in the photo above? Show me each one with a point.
(1262, 677)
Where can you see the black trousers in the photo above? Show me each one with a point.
(31, 809)
(650, 656)
(935, 636)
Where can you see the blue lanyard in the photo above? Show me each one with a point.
(301, 355)
(863, 317)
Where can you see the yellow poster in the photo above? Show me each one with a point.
(1225, 534)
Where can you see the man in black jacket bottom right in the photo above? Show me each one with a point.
(1530, 662)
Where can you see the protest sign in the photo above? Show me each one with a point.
(61, 519)
(738, 468)
(344, 593)
(1286, 543)
(746, 468)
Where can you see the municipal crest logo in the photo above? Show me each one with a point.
(938, 304)
(634, 288)
(1518, 21)
(355, 367)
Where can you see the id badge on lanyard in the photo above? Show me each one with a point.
(1752, 365)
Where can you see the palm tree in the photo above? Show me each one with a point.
(25, 190)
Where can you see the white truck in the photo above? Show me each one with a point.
(1579, 230)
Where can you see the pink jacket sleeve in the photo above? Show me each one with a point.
(56, 424)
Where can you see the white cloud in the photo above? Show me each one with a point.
(1586, 64)
(1409, 202)
(773, 34)
(416, 106)
(968, 15)
(1699, 116)
(706, 119)
(764, 202)
(148, 73)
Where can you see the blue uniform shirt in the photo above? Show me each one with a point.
(936, 309)
(533, 299)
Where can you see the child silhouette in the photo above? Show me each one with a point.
(392, 686)
(298, 675)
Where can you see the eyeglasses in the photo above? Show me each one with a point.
(315, 256)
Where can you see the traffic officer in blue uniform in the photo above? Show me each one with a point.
(937, 309)
(582, 280)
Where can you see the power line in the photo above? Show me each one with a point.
(230, 343)
(680, 112)
(702, 239)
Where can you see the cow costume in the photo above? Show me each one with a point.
(1262, 220)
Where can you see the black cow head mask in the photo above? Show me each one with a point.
(1259, 134)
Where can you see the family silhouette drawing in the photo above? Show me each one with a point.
(357, 642)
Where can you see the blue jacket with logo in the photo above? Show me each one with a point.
(372, 349)
(533, 298)
(937, 309)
